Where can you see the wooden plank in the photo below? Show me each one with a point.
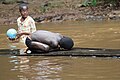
(98, 52)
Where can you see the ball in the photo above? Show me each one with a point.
(11, 33)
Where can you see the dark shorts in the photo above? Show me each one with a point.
(28, 42)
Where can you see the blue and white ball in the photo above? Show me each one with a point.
(11, 33)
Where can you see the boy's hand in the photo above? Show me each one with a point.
(13, 39)
(18, 36)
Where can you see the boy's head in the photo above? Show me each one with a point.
(23, 8)
(66, 43)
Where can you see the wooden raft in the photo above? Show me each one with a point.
(86, 52)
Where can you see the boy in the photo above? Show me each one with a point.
(26, 25)
(45, 41)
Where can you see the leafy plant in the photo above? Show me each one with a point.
(89, 3)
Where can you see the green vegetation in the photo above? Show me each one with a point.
(8, 1)
(89, 3)
(94, 2)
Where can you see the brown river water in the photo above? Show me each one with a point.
(86, 34)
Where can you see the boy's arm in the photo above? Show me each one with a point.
(20, 34)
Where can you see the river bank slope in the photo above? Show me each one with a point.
(58, 11)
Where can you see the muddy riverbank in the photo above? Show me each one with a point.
(58, 11)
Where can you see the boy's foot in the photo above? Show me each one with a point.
(28, 51)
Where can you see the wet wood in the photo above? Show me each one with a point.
(85, 52)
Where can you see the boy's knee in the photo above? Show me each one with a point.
(46, 48)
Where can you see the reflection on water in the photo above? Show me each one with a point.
(36, 69)
(59, 68)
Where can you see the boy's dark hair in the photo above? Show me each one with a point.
(66, 43)
(23, 6)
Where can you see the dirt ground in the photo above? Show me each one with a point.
(58, 11)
